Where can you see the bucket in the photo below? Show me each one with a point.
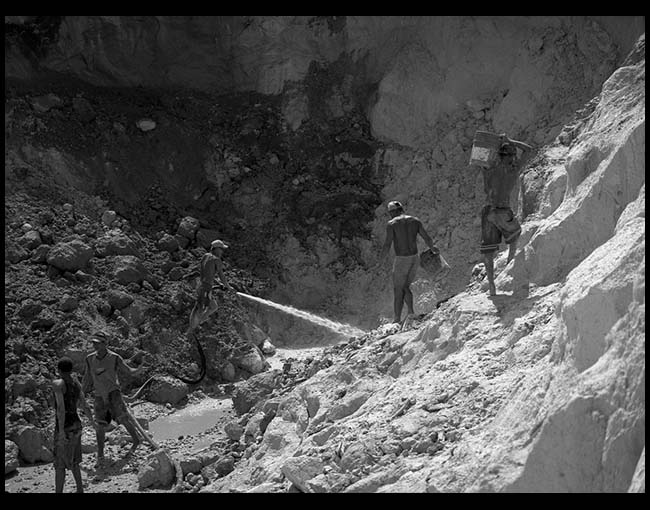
(434, 264)
(485, 148)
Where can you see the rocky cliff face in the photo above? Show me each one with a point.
(353, 111)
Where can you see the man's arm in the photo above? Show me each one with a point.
(526, 151)
(60, 408)
(121, 364)
(219, 267)
(86, 409)
(427, 238)
(87, 381)
(387, 243)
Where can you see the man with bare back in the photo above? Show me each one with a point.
(402, 230)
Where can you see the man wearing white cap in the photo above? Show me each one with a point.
(211, 264)
(403, 231)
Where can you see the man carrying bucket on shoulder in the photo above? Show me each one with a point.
(497, 218)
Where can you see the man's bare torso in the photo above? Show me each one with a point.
(405, 231)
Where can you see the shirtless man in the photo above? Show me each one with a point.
(68, 396)
(497, 218)
(210, 264)
(403, 230)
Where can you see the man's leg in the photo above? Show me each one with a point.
(511, 250)
(130, 427)
(488, 259)
(408, 299)
(490, 239)
(195, 318)
(118, 407)
(76, 473)
(101, 437)
(410, 278)
(59, 479)
(212, 307)
(398, 302)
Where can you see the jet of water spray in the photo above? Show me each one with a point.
(342, 329)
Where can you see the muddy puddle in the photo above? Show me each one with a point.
(192, 420)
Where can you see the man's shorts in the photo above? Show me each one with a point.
(404, 270)
(498, 222)
(113, 409)
(67, 453)
(209, 297)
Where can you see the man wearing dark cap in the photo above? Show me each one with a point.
(210, 265)
(497, 218)
(402, 230)
(101, 377)
(67, 426)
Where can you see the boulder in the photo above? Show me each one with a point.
(188, 227)
(29, 309)
(118, 299)
(129, 269)
(68, 303)
(191, 465)
(109, 217)
(183, 241)
(116, 243)
(32, 444)
(228, 372)
(134, 314)
(157, 472)
(268, 348)
(168, 243)
(31, 240)
(254, 427)
(299, 470)
(254, 390)
(176, 274)
(16, 253)
(251, 361)
(40, 254)
(11, 456)
(69, 256)
(83, 277)
(225, 465)
(166, 389)
(233, 430)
